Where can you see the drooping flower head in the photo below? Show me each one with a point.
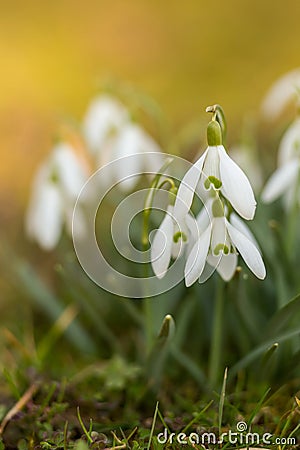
(216, 171)
(218, 246)
(223, 188)
(54, 193)
(111, 134)
(103, 120)
(170, 240)
(282, 93)
(285, 180)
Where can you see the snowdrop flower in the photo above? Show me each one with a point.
(170, 240)
(103, 120)
(131, 141)
(286, 178)
(215, 172)
(55, 189)
(112, 135)
(281, 93)
(219, 244)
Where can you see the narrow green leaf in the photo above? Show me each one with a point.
(153, 426)
(222, 400)
(258, 351)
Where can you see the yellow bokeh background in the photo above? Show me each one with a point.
(185, 54)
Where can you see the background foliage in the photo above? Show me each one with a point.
(57, 325)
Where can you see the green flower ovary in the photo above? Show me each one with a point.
(212, 180)
(179, 235)
(214, 133)
(221, 248)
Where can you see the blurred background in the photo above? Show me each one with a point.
(56, 56)
(186, 55)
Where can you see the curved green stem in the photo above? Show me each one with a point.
(147, 303)
(216, 343)
(218, 115)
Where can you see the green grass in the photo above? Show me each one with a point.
(88, 414)
(81, 368)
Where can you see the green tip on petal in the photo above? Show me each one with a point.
(213, 180)
(179, 235)
(214, 134)
(221, 248)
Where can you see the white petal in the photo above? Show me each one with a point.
(44, 217)
(69, 169)
(280, 94)
(104, 117)
(242, 227)
(280, 181)
(192, 226)
(211, 166)
(187, 188)
(205, 215)
(208, 270)
(236, 186)
(203, 219)
(193, 232)
(182, 227)
(197, 258)
(198, 225)
(248, 251)
(128, 144)
(218, 235)
(226, 265)
(161, 247)
(289, 146)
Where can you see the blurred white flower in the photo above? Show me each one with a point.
(218, 247)
(45, 212)
(104, 118)
(215, 170)
(111, 135)
(54, 193)
(285, 180)
(170, 240)
(281, 93)
(143, 155)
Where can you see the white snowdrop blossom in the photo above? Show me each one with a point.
(131, 141)
(103, 120)
(281, 94)
(54, 193)
(219, 244)
(170, 240)
(111, 134)
(285, 180)
(216, 171)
